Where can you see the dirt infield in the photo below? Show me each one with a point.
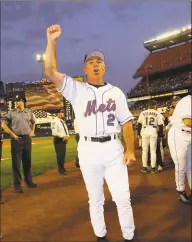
(58, 211)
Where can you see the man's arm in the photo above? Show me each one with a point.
(129, 142)
(188, 122)
(50, 64)
(8, 130)
(139, 127)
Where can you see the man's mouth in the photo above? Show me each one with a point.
(96, 69)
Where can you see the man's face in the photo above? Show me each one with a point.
(19, 104)
(61, 115)
(94, 68)
(174, 103)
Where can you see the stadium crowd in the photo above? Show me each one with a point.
(164, 84)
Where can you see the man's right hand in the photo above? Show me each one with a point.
(53, 32)
(15, 137)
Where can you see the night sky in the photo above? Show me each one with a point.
(118, 28)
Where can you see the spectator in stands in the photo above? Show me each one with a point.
(163, 84)
(20, 124)
(60, 138)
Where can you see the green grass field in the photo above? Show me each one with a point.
(43, 158)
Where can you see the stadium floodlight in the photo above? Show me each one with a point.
(40, 58)
(168, 34)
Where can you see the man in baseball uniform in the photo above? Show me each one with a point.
(101, 111)
(179, 141)
(150, 123)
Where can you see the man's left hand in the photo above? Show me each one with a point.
(32, 134)
(66, 138)
(129, 158)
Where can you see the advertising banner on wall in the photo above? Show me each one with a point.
(15, 88)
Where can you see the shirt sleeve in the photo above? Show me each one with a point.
(186, 109)
(33, 119)
(7, 118)
(70, 88)
(66, 129)
(123, 113)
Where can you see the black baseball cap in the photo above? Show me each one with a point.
(59, 111)
(95, 53)
(19, 98)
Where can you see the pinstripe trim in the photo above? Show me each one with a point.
(96, 106)
(64, 85)
(102, 103)
(177, 159)
(127, 119)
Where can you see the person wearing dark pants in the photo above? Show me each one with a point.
(21, 150)
(60, 138)
(60, 149)
(77, 140)
(20, 124)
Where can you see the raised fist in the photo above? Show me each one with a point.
(53, 32)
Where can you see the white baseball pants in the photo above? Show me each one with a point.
(149, 139)
(180, 148)
(99, 161)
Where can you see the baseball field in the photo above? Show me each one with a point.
(43, 157)
(57, 210)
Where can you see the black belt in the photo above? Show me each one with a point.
(22, 135)
(187, 131)
(100, 139)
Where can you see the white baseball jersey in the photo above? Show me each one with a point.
(150, 118)
(59, 128)
(182, 111)
(99, 111)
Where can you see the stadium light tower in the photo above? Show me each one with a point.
(40, 58)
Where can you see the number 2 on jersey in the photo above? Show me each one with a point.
(150, 121)
(111, 118)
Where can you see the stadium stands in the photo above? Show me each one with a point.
(162, 84)
(167, 71)
(165, 59)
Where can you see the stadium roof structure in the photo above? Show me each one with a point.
(170, 50)
(168, 39)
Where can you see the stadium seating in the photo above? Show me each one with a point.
(162, 85)
(166, 59)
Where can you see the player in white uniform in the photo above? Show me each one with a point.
(149, 123)
(179, 141)
(101, 111)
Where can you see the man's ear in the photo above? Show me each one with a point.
(104, 68)
(84, 70)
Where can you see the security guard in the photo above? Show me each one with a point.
(20, 124)
(60, 138)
